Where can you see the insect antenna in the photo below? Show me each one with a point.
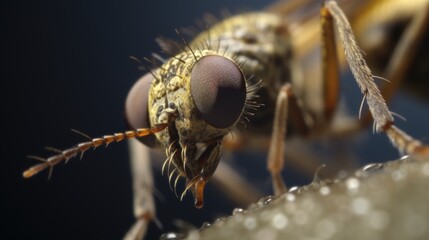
(50, 165)
(72, 152)
(56, 150)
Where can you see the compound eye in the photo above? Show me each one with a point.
(136, 108)
(218, 88)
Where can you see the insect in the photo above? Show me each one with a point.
(186, 120)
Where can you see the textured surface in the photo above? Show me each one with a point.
(379, 201)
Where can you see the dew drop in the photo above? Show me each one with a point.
(237, 211)
(205, 225)
(360, 206)
(250, 223)
(352, 185)
(325, 190)
(279, 221)
(293, 189)
(252, 206)
(372, 167)
(289, 197)
(266, 200)
(220, 220)
(172, 236)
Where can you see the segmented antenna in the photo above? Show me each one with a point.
(80, 148)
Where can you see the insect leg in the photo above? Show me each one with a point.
(144, 206)
(401, 59)
(275, 162)
(383, 118)
(330, 66)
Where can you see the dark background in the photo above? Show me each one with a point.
(65, 65)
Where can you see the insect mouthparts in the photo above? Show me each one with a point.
(199, 193)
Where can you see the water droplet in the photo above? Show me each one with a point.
(266, 200)
(279, 221)
(237, 211)
(205, 225)
(293, 189)
(325, 190)
(289, 197)
(250, 223)
(372, 167)
(252, 206)
(172, 236)
(360, 206)
(220, 220)
(352, 185)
